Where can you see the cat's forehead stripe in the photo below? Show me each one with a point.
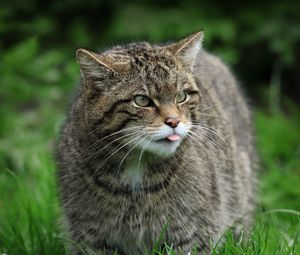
(143, 52)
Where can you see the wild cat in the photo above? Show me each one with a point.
(158, 139)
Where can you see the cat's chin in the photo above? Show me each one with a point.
(163, 147)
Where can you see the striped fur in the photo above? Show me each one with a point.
(117, 194)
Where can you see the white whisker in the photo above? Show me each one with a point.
(143, 150)
(210, 129)
(136, 145)
(118, 149)
(105, 137)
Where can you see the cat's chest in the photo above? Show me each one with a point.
(134, 172)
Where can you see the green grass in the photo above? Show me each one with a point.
(33, 101)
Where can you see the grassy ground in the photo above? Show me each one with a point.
(34, 93)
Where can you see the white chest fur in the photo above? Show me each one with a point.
(134, 171)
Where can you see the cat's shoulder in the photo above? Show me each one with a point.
(210, 61)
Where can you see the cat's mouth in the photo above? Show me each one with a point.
(165, 145)
(165, 140)
(170, 138)
(173, 137)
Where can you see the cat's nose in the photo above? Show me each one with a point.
(172, 122)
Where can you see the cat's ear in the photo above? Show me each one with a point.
(186, 49)
(93, 66)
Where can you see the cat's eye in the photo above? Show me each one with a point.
(181, 97)
(143, 101)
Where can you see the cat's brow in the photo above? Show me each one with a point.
(112, 109)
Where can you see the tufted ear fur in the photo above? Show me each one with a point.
(92, 64)
(95, 68)
(186, 49)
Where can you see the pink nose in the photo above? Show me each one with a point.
(172, 122)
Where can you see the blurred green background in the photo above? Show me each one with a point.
(259, 40)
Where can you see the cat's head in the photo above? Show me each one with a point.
(142, 95)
